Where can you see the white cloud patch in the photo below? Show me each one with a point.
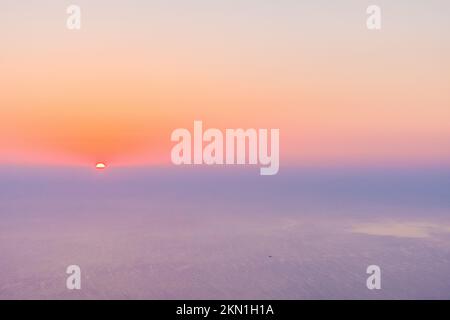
(401, 229)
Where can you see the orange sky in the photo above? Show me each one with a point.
(115, 90)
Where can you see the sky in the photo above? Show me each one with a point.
(137, 70)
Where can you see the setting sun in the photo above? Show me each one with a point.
(100, 165)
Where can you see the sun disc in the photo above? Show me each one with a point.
(100, 165)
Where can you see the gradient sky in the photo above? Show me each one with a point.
(137, 70)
